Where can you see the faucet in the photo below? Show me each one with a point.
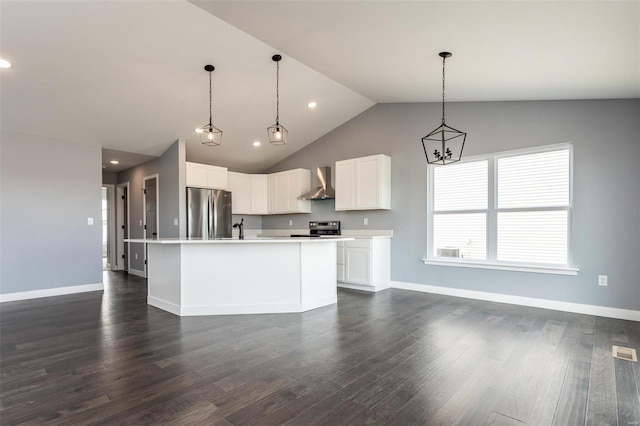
(241, 226)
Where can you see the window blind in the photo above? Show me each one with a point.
(534, 180)
(535, 188)
(461, 186)
(533, 237)
(465, 233)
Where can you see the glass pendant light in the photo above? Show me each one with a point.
(210, 135)
(443, 145)
(277, 133)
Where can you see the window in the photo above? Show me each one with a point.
(460, 210)
(507, 210)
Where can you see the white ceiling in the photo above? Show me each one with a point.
(128, 75)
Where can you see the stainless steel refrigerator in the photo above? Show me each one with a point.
(208, 213)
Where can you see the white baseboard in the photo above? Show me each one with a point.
(164, 305)
(600, 311)
(48, 292)
(187, 311)
(357, 287)
(137, 273)
(368, 288)
(319, 303)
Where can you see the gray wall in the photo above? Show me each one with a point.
(606, 209)
(48, 189)
(109, 178)
(170, 170)
(251, 222)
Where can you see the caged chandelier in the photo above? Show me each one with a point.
(277, 132)
(210, 135)
(444, 144)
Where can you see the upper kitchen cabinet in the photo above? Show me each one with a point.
(249, 193)
(259, 194)
(363, 183)
(206, 176)
(284, 190)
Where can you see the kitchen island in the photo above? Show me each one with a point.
(252, 276)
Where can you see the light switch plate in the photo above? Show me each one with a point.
(90, 221)
(175, 221)
(602, 280)
(366, 220)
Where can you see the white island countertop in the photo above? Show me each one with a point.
(260, 240)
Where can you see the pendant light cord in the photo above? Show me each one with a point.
(278, 92)
(210, 114)
(443, 59)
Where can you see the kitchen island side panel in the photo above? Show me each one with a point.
(318, 275)
(164, 276)
(240, 278)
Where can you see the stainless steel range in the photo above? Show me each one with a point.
(319, 229)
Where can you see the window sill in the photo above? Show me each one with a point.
(501, 267)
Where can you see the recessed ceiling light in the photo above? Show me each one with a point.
(257, 143)
(4, 63)
(114, 162)
(312, 104)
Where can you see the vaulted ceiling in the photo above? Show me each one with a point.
(128, 76)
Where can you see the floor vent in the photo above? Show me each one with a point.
(621, 352)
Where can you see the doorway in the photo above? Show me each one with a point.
(108, 228)
(151, 212)
(122, 228)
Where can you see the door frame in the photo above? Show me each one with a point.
(144, 212)
(121, 218)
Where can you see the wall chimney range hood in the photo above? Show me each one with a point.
(324, 191)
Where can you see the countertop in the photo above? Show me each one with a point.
(263, 240)
(346, 233)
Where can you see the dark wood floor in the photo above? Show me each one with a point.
(396, 357)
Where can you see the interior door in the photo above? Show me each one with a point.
(151, 217)
(151, 208)
(122, 227)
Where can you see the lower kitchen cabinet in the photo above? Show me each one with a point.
(364, 263)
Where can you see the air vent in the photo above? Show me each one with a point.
(448, 252)
(627, 354)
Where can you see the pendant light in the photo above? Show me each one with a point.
(444, 144)
(277, 133)
(210, 135)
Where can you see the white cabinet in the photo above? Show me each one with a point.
(284, 190)
(249, 193)
(364, 263)
(344, 186)
(217, 177)
(206, 176)
(240, 187)
(259, 194)
(363, 183)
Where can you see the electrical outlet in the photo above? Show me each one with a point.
(602, 280)
(175, 221)
(366, 221)
(290, 222)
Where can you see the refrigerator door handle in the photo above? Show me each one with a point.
(212, 222)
